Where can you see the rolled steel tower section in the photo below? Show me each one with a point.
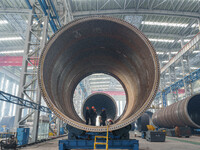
(99, 101)
(143, 121)
(98, 45)
(183, 113)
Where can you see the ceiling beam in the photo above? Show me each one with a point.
(138, 11)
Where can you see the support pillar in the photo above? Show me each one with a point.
(28, 87)
(183, 71)
(38, 96)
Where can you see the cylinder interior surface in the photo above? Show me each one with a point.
(98, 45)
(100, 101)
(194, 109)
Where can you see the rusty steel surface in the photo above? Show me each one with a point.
(99, 101)
(183, 113)
(98, 45)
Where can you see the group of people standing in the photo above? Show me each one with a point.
(91, 116)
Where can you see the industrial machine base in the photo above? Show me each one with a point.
(155, 136)
(89, 144)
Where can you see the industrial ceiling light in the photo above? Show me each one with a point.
(160, 53)
(197, 51)
(174, 52)
(195, 25)
(98, 74)
(161, 40)
(99, 82)
(10, 38)
(164, 24)
(99, 86)
(165, 61)
(3, 21)
(185, 40)
(99, 79)
(11, 52)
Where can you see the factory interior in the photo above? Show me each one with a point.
(100, 74)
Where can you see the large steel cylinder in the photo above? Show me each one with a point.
(183, 113)
(143, 121)
(99, 101)
(98, 45)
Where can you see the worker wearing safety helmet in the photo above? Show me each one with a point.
(87, 115)
(92, 116)
(103, 117)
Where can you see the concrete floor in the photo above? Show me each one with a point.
(48, 145)
(171, 143)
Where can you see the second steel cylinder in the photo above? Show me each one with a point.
(183, 113)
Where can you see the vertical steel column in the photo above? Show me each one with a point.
(28, 88)
(21, 94)
(164, 99)
(58, 124)
(68, 12)
(182, 43)
(162, 86)
(189, 86)
(38, 96)
(183, 71)
(172, 74)
(172, 78)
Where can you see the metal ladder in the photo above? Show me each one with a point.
(100, 143)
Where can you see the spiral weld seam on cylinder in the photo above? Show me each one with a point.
(183, 113)
(67, 59)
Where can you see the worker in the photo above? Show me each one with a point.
(103, 117)
(110, 122)
(99, 120)
(177, 131)
(87, 115)
(92, 116)
(95, 116)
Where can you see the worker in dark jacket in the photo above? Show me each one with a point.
(87, 115)
(103, 117)
(92, 116)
